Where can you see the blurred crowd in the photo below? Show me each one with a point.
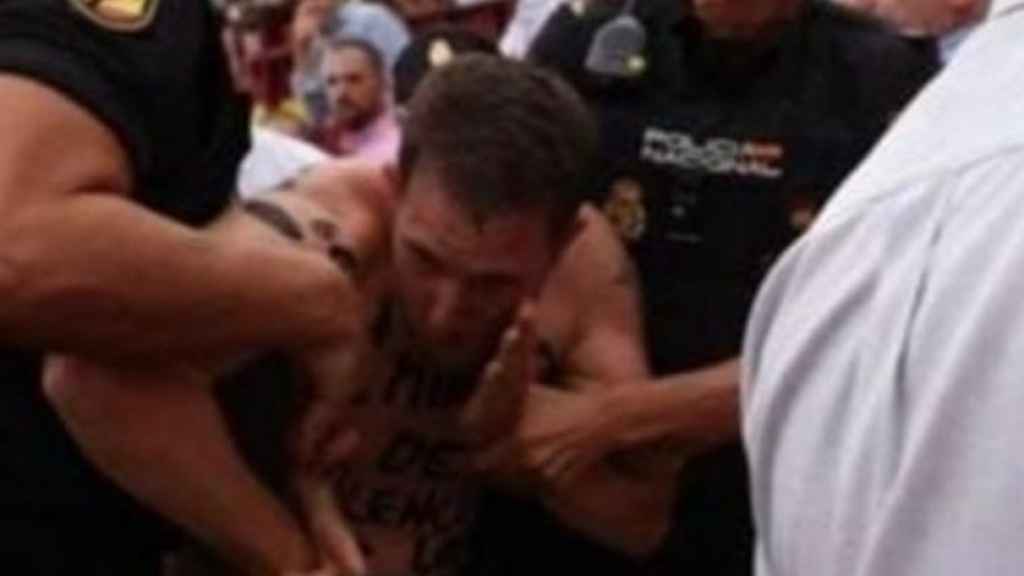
(329, 76)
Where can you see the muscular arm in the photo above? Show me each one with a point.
(690, 413)
(622, 508)
(158, 433)
(85, 270)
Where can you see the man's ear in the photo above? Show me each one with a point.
(579, 223)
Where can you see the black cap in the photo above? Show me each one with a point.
(430, 50)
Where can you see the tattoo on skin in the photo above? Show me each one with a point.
(276, 217)
(290, 184)
(324, 229)
(343, 258)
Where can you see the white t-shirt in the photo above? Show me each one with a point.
(274, 159)
(883, 395)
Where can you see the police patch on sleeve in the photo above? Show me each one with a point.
(118, 15)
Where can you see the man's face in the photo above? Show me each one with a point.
(355, 88)
(461, 280)
(741, 18)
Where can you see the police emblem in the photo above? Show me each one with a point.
(119, 15)
(625, 209)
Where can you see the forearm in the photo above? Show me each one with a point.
(696, 411)
(621, 512)
(137, 284)
(162, 439)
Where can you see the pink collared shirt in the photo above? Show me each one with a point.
(378, 142)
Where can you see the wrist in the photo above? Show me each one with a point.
(282, 551)
(296, 556)
(619, 406)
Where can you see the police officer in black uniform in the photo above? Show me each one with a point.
(122, 131)
(719, 146)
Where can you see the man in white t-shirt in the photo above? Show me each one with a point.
(884, 360)
(273, 160)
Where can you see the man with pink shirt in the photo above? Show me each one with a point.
(362, 122)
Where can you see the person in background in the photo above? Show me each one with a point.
(256, 35)
(361, 121)
(722, 138)
(275, 159)
(881, 381)
(317, 22)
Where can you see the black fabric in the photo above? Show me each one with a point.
(260, 400)
(165, 93)
(711, 158)
(414, 63)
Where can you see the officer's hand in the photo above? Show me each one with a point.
(497, 405)
(331, 532)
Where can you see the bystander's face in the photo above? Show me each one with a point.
(355, 86)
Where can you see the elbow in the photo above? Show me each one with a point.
(645, 537)
(60, 387)
(651, 522)
(66, 386)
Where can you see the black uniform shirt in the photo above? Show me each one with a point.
(153, 71)
(717, 157)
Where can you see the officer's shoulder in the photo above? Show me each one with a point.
(565, 39)
(864, 38)
(881, 69)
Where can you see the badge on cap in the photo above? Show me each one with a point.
(118, 15)
(440, 53)
(625, 209)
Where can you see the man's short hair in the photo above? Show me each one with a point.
(371, 52)
(502, 135)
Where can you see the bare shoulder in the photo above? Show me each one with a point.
(594, 260)
(340, 206)
(343, 186)
(593, 272)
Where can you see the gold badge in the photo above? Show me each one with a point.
(625, 209)
(440, 53)
(119, 15)
(637, 65)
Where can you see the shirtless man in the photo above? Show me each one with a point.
(463, 263)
